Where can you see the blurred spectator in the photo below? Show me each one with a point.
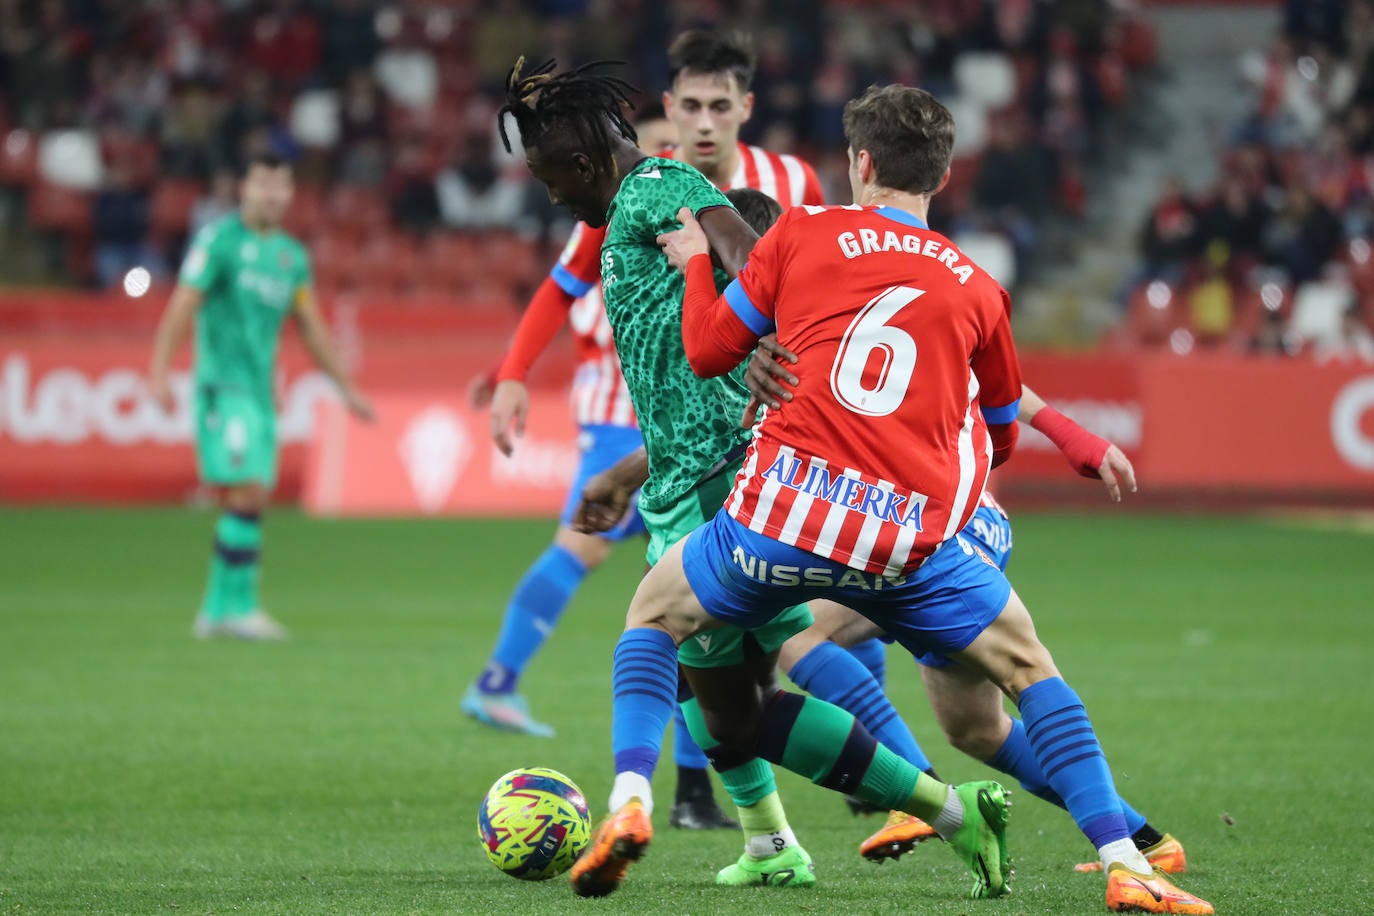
(348, 36)
(120, 228)
(284, 41)
(188, 132)
(251, 121)
(1353, 341)
(1167, 238)
(219, 200)
(1320, 308)
(1302, 236)
(474, 194)
(1236, 219)
(412, 192)
(364, 134)
(1211, 310)
(505, 29)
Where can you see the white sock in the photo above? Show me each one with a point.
(951, 816)
(1124, 851)
(631, 785)
(769, 844)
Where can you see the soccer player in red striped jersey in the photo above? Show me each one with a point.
(855, 490)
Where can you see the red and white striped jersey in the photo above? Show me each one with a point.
(905, 355)
(599, 394)
(785, 178)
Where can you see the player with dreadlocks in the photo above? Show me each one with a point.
(579, 144)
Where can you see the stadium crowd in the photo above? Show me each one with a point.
(122, 121)
(1275, 256)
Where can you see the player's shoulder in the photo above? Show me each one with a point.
(293, 245)
(785, 160)
(656, 174)
(226, 227)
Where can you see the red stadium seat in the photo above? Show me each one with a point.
(57, 209)
(451, 262)
(19, 158)
(361, 212)
(173, 199)
(305, 216)
(337, 261)
(390, 264)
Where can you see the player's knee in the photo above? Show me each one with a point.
(591, 551)
(977, 738)
(736, 730)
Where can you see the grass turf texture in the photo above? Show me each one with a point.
(1225, 662)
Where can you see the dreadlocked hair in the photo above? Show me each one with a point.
(580, 103)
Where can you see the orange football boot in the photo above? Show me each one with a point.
(1167, 856)
(620, 840)
(898, 837)
(1129, 892)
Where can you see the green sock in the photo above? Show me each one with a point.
(212, 605)
(238, 541)
(747, 779)
(764, 816)
(825, 744)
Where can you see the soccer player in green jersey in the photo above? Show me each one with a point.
(241, 278)
(579, 145)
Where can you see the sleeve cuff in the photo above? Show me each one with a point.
(571, 285)
(1001, 416)
(746, 311)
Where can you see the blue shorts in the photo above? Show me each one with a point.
(990, 530)
(602, 447)
(743, 579)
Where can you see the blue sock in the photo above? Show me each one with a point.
(644, 694)
(830, 673)
(1066, 748)
(1015, 758)
(687, 754)
(872, 654)
(534, 608)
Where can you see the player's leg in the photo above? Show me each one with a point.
(694, 799)
(237, 452)
(809, 736)
(820, 661)
(546, 588)
(969, 708)
(531, 615)
(771, 853)
(644, 682)
(1065, 745)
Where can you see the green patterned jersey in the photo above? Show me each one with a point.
(251, 282)
(689, 423)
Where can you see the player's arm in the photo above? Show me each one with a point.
(172, 331)
(717, 331)
(999, 377)
(315, 336)
(577, 271)
(729, 236)
(1088, 454)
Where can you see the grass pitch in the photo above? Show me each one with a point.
(1226, 663)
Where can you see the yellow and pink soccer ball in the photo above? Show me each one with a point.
(533, 823)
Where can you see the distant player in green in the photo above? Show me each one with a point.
(241, 278)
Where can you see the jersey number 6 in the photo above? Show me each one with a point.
(870, 331)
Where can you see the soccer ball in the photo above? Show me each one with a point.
(533, 823)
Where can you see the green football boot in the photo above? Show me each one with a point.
(790, 868)
(982, 840)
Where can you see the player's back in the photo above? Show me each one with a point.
(885, 317)
(250, 281)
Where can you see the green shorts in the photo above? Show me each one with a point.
(236, 438)
(724, 646)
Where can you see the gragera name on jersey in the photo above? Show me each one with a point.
(758, 569)
(868, 241)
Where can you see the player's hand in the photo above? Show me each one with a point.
(510, 405)
(1117, 473)
(765, 374)
(681, 245)
(359, 405)
(160, 390)
(480, 390)
(605, 500)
